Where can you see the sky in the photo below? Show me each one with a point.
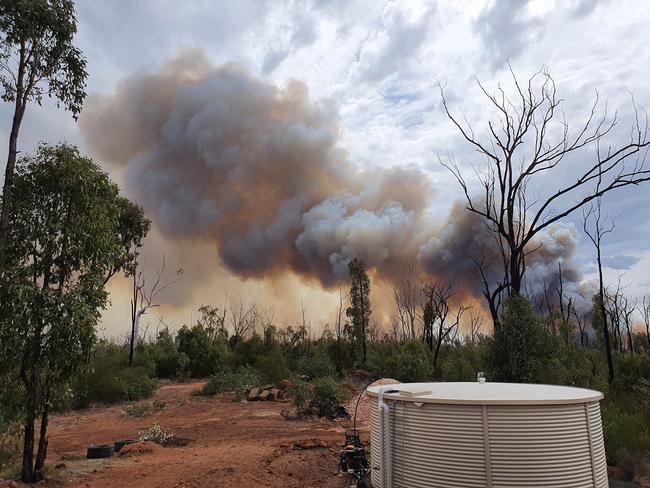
(363, 76)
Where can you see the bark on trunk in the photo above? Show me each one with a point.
(603, 312)
(42, 442)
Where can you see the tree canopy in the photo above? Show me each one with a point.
(67, 233)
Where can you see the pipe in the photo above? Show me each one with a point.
(385, 447)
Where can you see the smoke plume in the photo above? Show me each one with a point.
(218, 156)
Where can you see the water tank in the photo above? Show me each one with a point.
(495, 435)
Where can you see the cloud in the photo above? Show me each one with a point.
(620, 262)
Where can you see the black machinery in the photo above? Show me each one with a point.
(353, 460)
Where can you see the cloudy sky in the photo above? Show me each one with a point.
(367, 75)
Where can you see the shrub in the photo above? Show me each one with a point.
(136, 410)
(273, 366)
(10, 444)
(326, 397)
(237, 382)
(462, 363)
(206, 354)
(300, 393)
(109, 379)
(157, 434)
(521, 347)
(318, 365)
(404, 362)
(170, 363)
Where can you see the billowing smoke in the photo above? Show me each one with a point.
(464, 241)
(218, 156)
(214, 153)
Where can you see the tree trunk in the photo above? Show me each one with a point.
(19, 112)
(42, 442)
(603, 311)
(27, 473)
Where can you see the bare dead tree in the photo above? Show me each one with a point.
(628, 308)
(145, 297)
(476, 324)
(242, 318)
(529, 140)
(340, 313)
(439, 322)
(581, 321)
(596, 226)
(645, 314)
(406, 294)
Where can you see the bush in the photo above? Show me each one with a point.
(299, 391)
(326, 397)
(157, 434)
(462, 363)
(321, 398)
(409, 362)
(109, 379)
(521, 348)
(318, 365)
(237, 382)
(10, 445)
(170, 363)
(206, 354)
(273, 366)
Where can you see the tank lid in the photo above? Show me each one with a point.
(489, 393)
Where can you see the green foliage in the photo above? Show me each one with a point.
(521, 347)
(462, 362)
(409, 362)
(55, 66)
(144, 409)
(237, 382)
(10, 445)
(359, 310)
(300, 393)
(109, 379)
(272, 366)
(206, 353)
(317, 365)
(327, 395)
(64, 241)
(170, 363)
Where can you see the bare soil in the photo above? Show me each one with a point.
(233, 444)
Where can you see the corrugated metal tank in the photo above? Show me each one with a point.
(495, 435)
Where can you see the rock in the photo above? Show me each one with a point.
(267, 387)
(284, 385)
(253, 394)
(11, 484)
(273, 393)
(264, 395)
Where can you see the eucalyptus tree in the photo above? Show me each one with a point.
(37, 59)
(359, 310)
(67, 235)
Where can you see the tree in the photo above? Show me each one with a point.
(645, 313)
(407, 301)
(596, 227)
(37, 58)
(529, 142)
(522, 346)
(64, 239)
(436, 314)
(359, 310)
(143, 298)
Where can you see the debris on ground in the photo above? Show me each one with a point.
(363, 411)
(139, 448)
(268, 392)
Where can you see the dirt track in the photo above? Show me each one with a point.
(233, 445)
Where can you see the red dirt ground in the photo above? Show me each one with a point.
(233, 444)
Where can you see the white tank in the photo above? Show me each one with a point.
(494, 435)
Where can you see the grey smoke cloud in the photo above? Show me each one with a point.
(214, 153)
